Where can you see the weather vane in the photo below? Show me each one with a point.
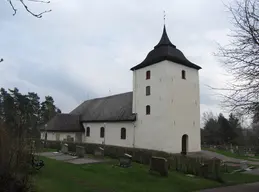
(164, 17)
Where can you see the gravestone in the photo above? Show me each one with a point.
(80, 151)
(241, 151)
(204, 169)
(243, 165)
(226, 148)
(64, 148)
(99, 152)
(211, 169)
(125, 160)
(216, 163)
(160, 165)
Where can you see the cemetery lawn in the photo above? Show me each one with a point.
(48, 150)
(58, 176)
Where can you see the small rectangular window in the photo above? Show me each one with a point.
(148, 75)
(102, 132)
(147, 90)
(148, 110)
(88, 131)
(183, 74)
(123, 133)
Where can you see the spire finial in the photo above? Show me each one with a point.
(164, 17)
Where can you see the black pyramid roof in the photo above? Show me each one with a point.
(165, 50)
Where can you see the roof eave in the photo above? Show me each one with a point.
(141, 65)
(104, 121)
(64, 131)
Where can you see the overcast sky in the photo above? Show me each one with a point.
(83, 49)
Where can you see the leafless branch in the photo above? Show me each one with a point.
(241, 58)
(38, 15)
(15, 10)
(38, 1)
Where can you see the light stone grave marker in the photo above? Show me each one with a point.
(64, 148)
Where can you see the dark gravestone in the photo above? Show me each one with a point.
(216, 163)
(125, 160)
(99, 152)
(241, 151)
(204, 169)
(160, 165)
(80, 151)
(211, 169)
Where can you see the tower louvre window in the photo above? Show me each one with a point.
(183, 74)
(148, 110)
(148, 75)
(147, 90)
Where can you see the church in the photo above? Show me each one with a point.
(161, 113)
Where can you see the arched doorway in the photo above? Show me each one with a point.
(184, 144)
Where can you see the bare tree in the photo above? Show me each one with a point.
(24, 3)
(241, 57)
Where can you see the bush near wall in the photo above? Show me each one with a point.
(188, 165)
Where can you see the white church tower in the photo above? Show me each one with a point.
(166, 100)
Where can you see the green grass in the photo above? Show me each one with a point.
(239, 178)
(47, 150)
(229, 154)
(59, 176)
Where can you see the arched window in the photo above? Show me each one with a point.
(148, 109)
(102, 132)
(147, 90)
(183, 74)
(88, 131)
(123, 133)
(148, 75)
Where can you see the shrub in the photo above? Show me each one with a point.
(14, 162)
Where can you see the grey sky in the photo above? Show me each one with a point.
(83, 49)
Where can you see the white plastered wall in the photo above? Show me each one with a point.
(175, 107)
(112, 133)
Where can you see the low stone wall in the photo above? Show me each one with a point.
(189, 165)
(138, 155)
